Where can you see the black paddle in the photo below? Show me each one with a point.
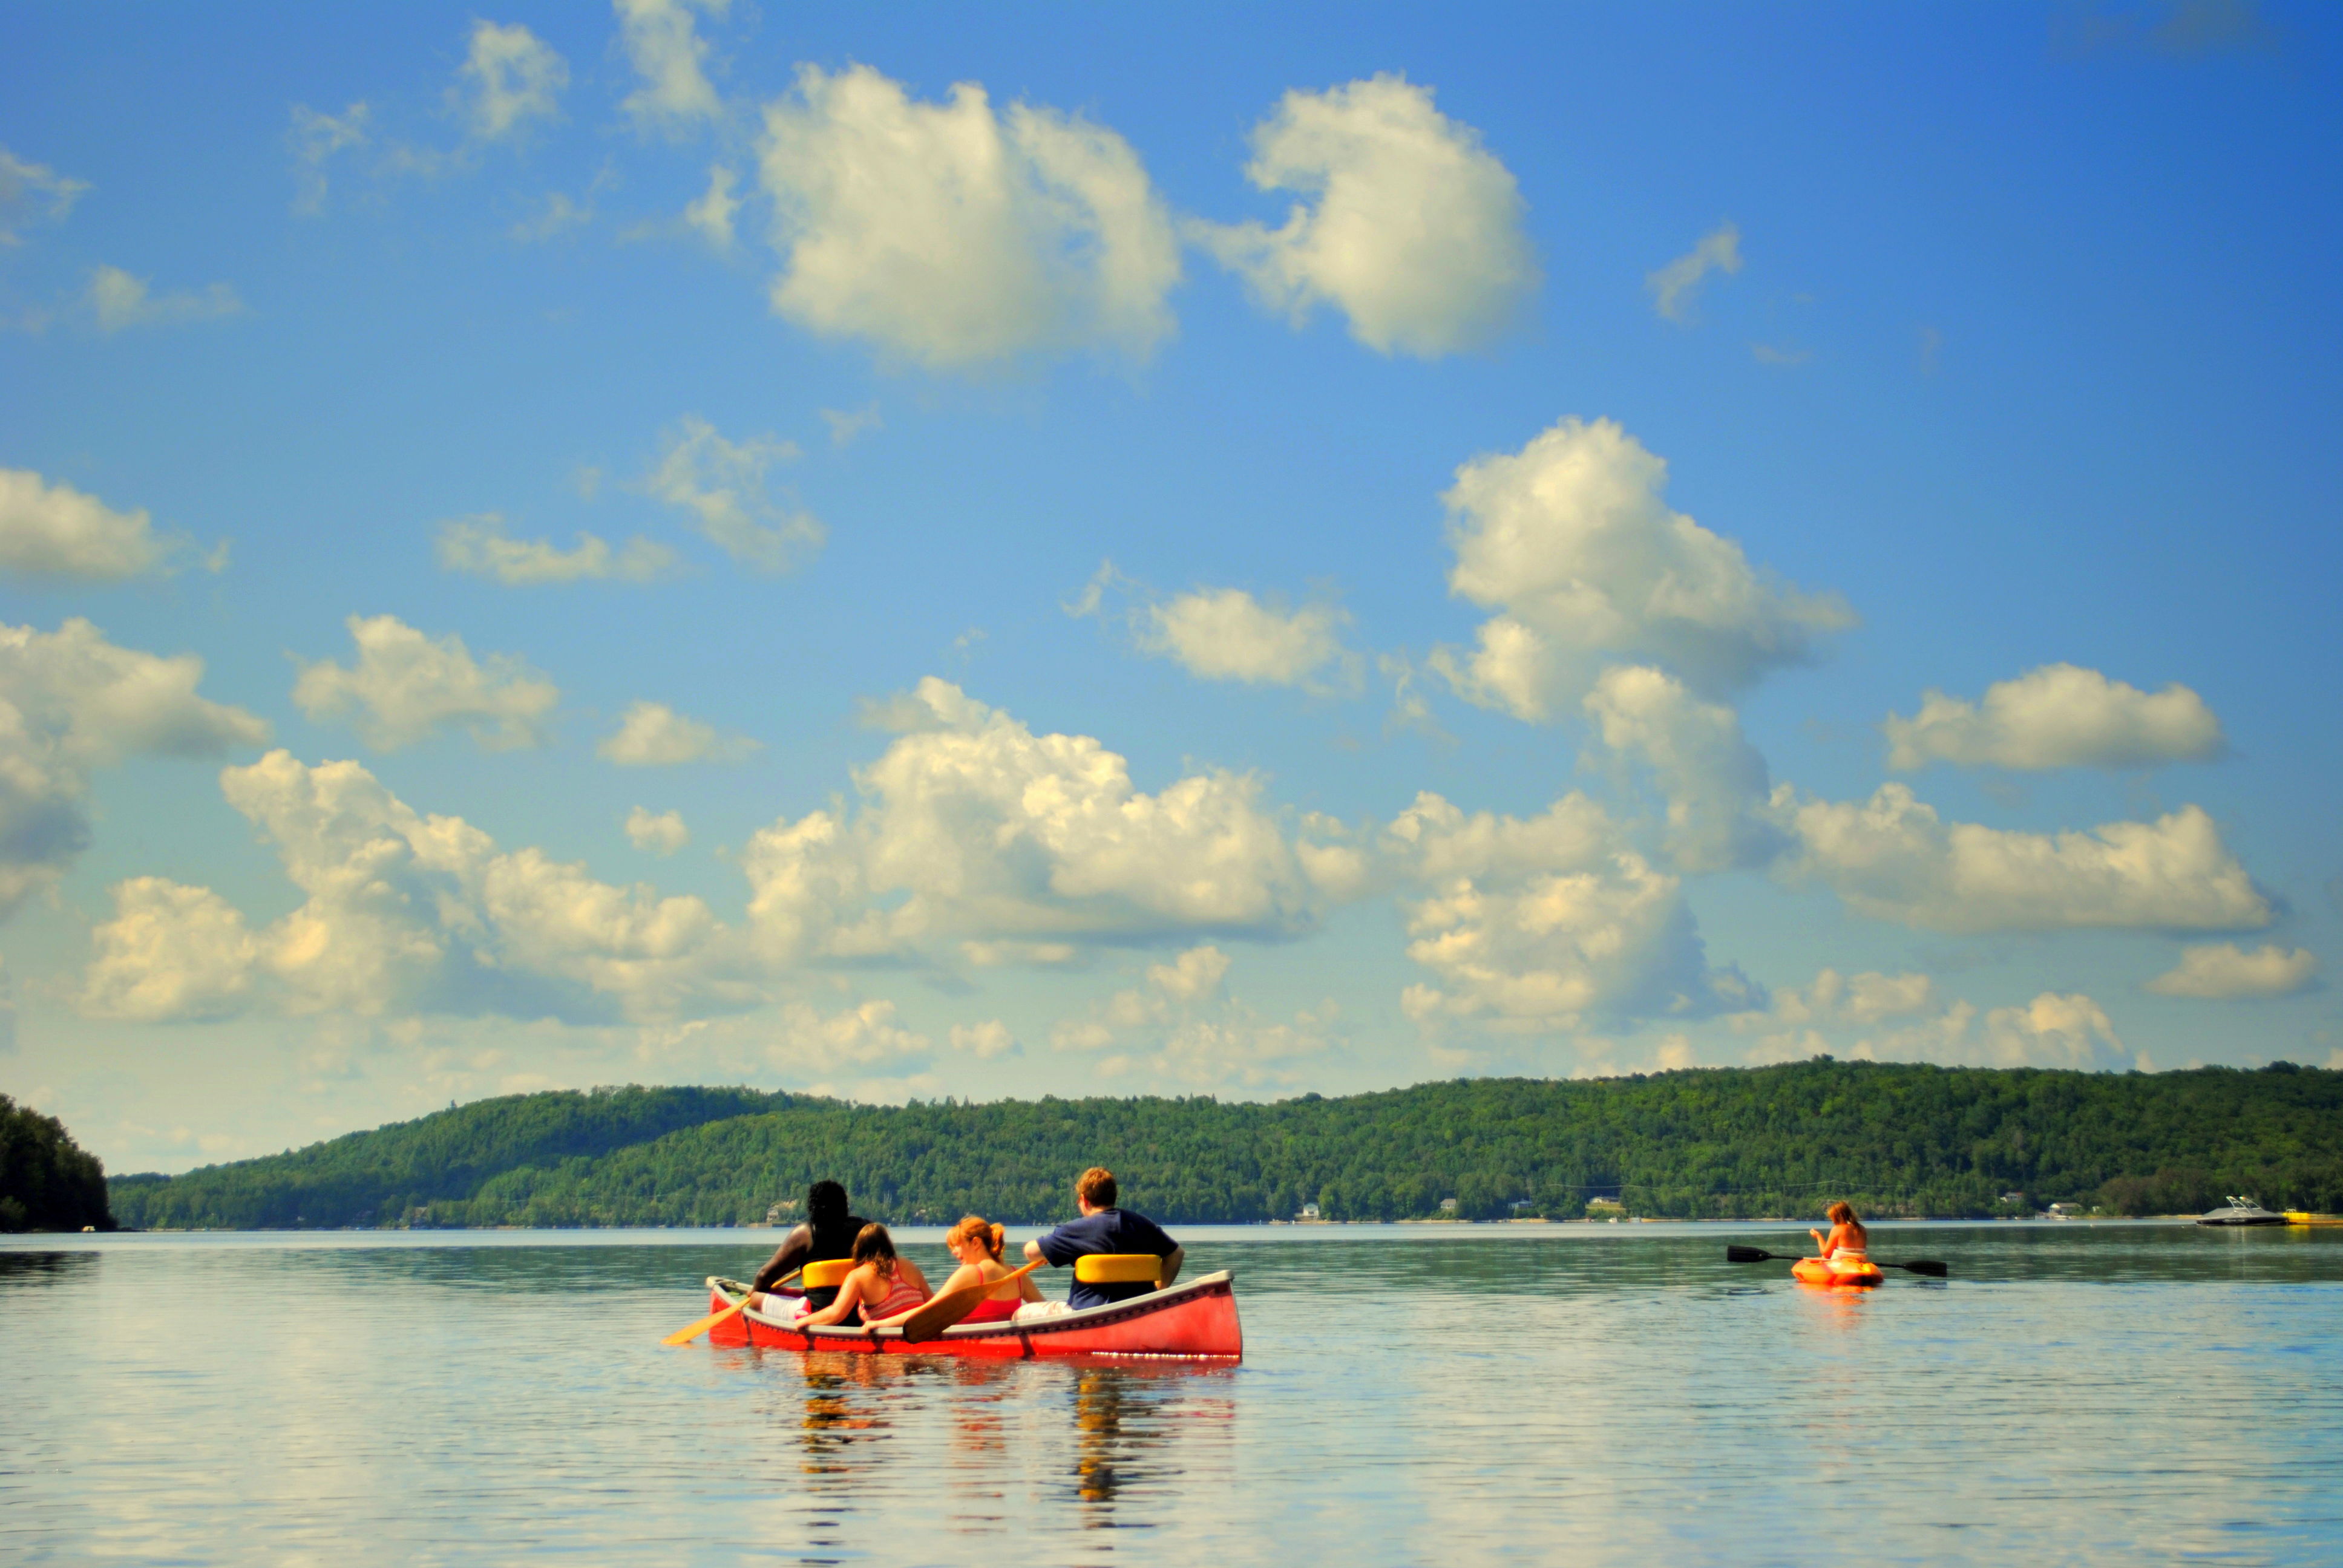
(1931, 1268)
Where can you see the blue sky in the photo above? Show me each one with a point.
(1092, 553)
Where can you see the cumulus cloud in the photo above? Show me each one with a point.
(1891, 858)
(653, 735)
(30, 194)
(1179, 1029)
(1715, 779)
(1537, 924)
(866, 1036)
(2059, 716)
(405, 685)
(119, 301)
(1569, 542)
(1409, 226)
(721, 483)
(314, 139)
(711, 214)
(2221, 971)
(660, 834)
(71, 702)
(509, 78)
(952, 235)
(665, 48)
(1226, 633)
(1676, 287)
(1862, 1000)
(2052, 1030)
(984, 1040)
(55, 531)
(403, 914)
(973, 828)
(481, 546)
(170, 952)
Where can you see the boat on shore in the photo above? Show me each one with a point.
(2241, 1211)
(1192, 1322)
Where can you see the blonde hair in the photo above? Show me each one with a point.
(977, 1228)
(1842, 1214)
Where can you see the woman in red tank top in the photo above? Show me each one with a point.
(977, 1244)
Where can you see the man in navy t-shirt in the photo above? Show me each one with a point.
(1103, 1228)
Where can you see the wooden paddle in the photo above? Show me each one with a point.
(1934, 1269)
(685, 1336)
(942, 1312)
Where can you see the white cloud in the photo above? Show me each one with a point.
(71, 702)
(1412, 228)
(653, 735)
(668, 53)
(711, 214)
(56, 531)
(1226, 633)
(1836, 1001)
(2059, 716)
(31, 194)
(314, 139)
(480, 546)
(2052, 1030)
(846, 424)
(984, 1040)
(1179, 1029)
(509, 78)
(404, 914)
(170, 952)
(1676, 287)
(722, 484)
(406, 685)
(120, 301)
(662, 834)
(1537, 924)
(808, 1040)
(1714, 778)
(1569, 540)
(1892, 859)
(2221, 971)
(973, 828)
(952, 235)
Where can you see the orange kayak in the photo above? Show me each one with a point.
(1843, 1272)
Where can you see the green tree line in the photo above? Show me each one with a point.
(47, 1181)
(1896, 1140)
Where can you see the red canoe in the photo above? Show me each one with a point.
(1195, 1322)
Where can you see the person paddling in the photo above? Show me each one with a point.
(976, 1243)
(1104, 1228)
(1847, 1237)
(828, 1232)
(883, 1285)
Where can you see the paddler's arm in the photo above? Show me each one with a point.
(1171, 1261)
(795, 1247)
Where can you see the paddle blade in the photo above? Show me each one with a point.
(1934, 1269)
(1747, 1255)
(685, 1336)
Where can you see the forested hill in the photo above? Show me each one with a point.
(47, 1181)
(1734, 1142)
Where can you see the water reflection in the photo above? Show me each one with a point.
(44, 1268)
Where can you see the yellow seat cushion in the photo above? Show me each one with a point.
(1117, 1267)
(826, 1275)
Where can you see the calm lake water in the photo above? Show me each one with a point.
(1409, 1394)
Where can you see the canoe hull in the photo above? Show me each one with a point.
(1193, 1321)
(1836, 1274)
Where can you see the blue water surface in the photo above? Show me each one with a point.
(1410, 1394)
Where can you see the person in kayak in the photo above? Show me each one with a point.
(883, 1285)
(1848, 1238)
(1104, 1228)
(977, 1244)
(828, 1232)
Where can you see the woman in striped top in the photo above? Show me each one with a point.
(881, 1285)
